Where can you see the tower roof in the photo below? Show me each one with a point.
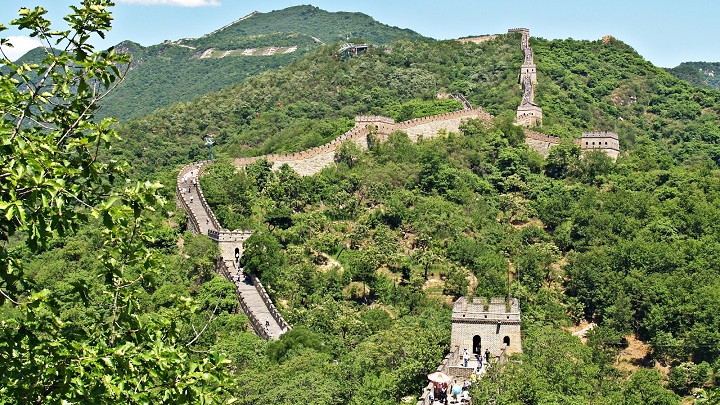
(497, 310)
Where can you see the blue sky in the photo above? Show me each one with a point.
(664, 32)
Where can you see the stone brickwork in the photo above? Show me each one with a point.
(608, 142)
(312, 161)
(540, 142)
(495, 326)
(230, 242)
(528, 113)
(478, 40)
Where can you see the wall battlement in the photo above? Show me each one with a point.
(608, 142)
(528, 113)
(477, 40)
(311, 161)
(482, 324)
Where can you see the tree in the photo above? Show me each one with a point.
(261, 173)
(563, 160)
(348, 153)
(52, 181)
(596, 164)
(201, 255)
(262, 254)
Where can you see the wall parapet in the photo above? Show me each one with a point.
(374, 118)
(444, 367)
(223, 235)
(254, 321)
(542, 137)
(181, 197)
(284, 326)
(384, 126)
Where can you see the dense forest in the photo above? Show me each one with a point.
(703, 74)
(106, 298)
(155, 71)
(583, 86)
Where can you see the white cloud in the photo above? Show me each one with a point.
(181, 3)
(21, 45)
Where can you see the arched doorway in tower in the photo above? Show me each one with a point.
(476, 344)
(506, 340)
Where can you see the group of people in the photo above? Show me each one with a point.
(193, 183)
(444, 392)
(478, 358)
(240, 276)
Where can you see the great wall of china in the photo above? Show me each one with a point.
(264, 317)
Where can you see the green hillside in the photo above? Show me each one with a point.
(308, 20)
(172, 72)
(311, 101)
(703, 74)
(106, 297)
(582, 86)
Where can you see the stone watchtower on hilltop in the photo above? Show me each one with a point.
(528, 113)
(495, 326)
(608, 142)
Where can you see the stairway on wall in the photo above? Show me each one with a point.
(203, 221)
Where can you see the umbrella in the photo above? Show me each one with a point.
(439, 377)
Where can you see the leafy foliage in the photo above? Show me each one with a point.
(703, 74)
(54, 184)
(157, 70)
(362, 257)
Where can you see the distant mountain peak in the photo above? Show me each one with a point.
(702, 74)
(175, 71)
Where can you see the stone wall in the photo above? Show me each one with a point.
(230, 242)
(528, 113)
(312, 161)
(540, 142)
(284, 326)
(193, 222)
(497, 326)
(608, 142)
(255, 323)
(478, 40)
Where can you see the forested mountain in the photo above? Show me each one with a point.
(107, 299)
(703, 74)
(407, 223)
(176, 71)
(583, 86)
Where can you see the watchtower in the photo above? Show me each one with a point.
(479, 325)
(608, 142)
(529, 115)
(349, 50)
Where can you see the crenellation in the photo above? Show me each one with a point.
(608, 142)
(528, 113)
(479, 325)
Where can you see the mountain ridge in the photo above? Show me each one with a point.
(702, 74)
(157, 70)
